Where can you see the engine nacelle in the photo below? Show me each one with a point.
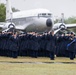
(63, 26)
(9, 25)
(60, 25)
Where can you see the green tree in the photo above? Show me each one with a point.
(70, 20)
(2, 12)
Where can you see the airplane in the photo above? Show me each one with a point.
(29, 20)
(39, 20)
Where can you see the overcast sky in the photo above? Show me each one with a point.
(68, 7)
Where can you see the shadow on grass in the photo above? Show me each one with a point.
(39, 62)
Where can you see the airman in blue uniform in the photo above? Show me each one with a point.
(71, 46)
(51, 45)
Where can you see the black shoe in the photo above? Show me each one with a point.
(71, 58)
(52, 59)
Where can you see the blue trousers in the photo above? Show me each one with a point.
(71, 55)
(52, 55)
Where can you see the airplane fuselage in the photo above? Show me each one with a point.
(33, 20)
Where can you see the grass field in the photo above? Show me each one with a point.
(36, 66)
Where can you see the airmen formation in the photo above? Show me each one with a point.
(36, 45)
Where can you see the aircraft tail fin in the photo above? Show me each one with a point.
(8, 9)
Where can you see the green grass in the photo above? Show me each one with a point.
(36, 69)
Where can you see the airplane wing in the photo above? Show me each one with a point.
(19, 27)
(63, 25)
(2, 24)
(70, 25)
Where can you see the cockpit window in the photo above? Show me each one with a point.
(49, 14)
(44, 15)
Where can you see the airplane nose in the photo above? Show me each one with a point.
(49, 23)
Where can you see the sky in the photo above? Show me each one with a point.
(68, 7)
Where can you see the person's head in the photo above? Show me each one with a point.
(72, 34)
(52, 32)
(69, 34)
(63, 34)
